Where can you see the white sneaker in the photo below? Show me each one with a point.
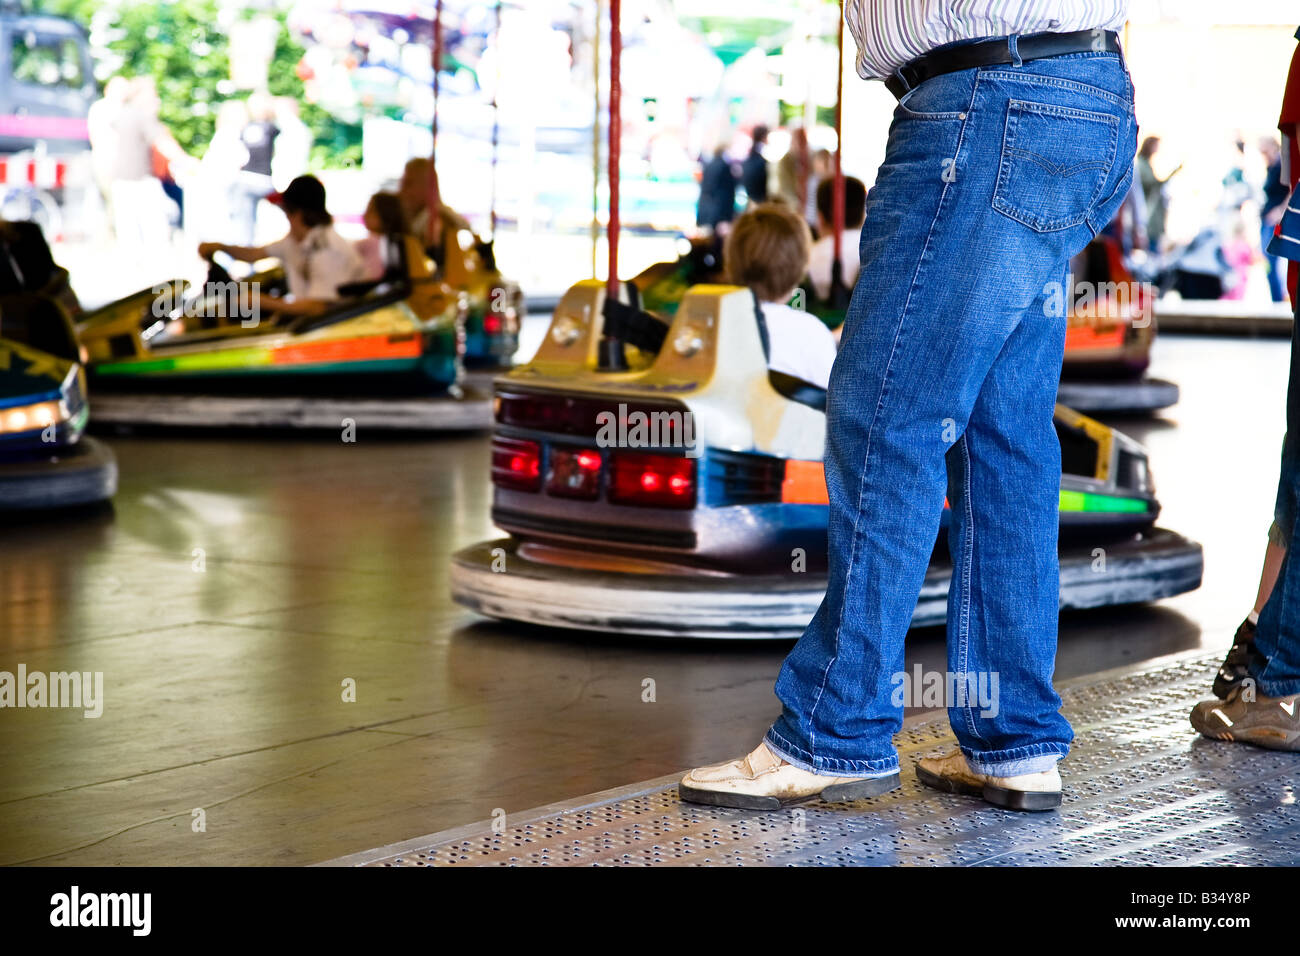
(761, 781)
(1031, 791)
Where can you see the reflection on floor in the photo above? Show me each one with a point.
(239, 582)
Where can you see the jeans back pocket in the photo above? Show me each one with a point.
(1055, 162)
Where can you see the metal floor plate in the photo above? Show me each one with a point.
(1141, 789)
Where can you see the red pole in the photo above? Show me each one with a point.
(496, 122)
(837, 195)
(433, 233)
(437, 63)
(615, 135)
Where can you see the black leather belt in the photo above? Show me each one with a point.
(996, 51)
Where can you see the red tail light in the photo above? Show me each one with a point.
(660, 481)
(574, 473)
(516, 464)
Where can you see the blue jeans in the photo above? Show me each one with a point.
(945, 384)
(1276, 662)
(1273, 264)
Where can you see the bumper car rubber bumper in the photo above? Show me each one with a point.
(79, 474)
(1118, 396)
(1145, 567)
(471, 412)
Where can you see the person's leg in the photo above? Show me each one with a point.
(1273, 555)
(1275, 661)
(1261, 700)
(986, 191)
(1003, 490)
(1272, 264)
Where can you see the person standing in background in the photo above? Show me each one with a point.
(753, 172)
(793, 170)
(1236, 190)
(1129, 227)
(1270, 213)
(140, 207)
(292, 153)
(216, 206)
(823, 168)
(255, 183)
(1153, 190)
(101, 127)
(718, 183)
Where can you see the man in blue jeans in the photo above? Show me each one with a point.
(1012, 146)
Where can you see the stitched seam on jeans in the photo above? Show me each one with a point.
(1060, 82)
(1009, 132)
(1120, 186)
(884, 386)
(967, 552)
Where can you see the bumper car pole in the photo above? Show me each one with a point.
(595, 143)
(433, 200)
(611, 349)
(496, 126)
(615, 138)
(837, 195)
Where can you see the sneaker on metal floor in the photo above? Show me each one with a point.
(1234, 669)
(1272, 722)
(1031, 791)
(761, 781)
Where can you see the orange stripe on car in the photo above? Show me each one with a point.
(805, 483)
(349, 350)
(1085, 336)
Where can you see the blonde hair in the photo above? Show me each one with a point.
(767, 249)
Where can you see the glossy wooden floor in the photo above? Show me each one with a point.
(324, 561)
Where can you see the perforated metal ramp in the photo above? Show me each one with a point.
(1142, 789)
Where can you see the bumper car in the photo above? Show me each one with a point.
(494, 304)
(1107, 344)
(688, 528)
(1111, 327)
(46, 459)
(387, 355)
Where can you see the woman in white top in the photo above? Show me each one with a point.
(316, 259)
(767, 250)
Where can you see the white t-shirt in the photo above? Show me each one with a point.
(319, 264)
(823, 256)
(801, 345)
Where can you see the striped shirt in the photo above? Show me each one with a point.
(890, 33)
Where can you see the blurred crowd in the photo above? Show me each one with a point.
(150, 187)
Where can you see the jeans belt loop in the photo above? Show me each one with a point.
(902, 81)
(1014, 49)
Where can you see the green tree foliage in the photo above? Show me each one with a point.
(336, 143)
(184, 48)
(180, 45)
